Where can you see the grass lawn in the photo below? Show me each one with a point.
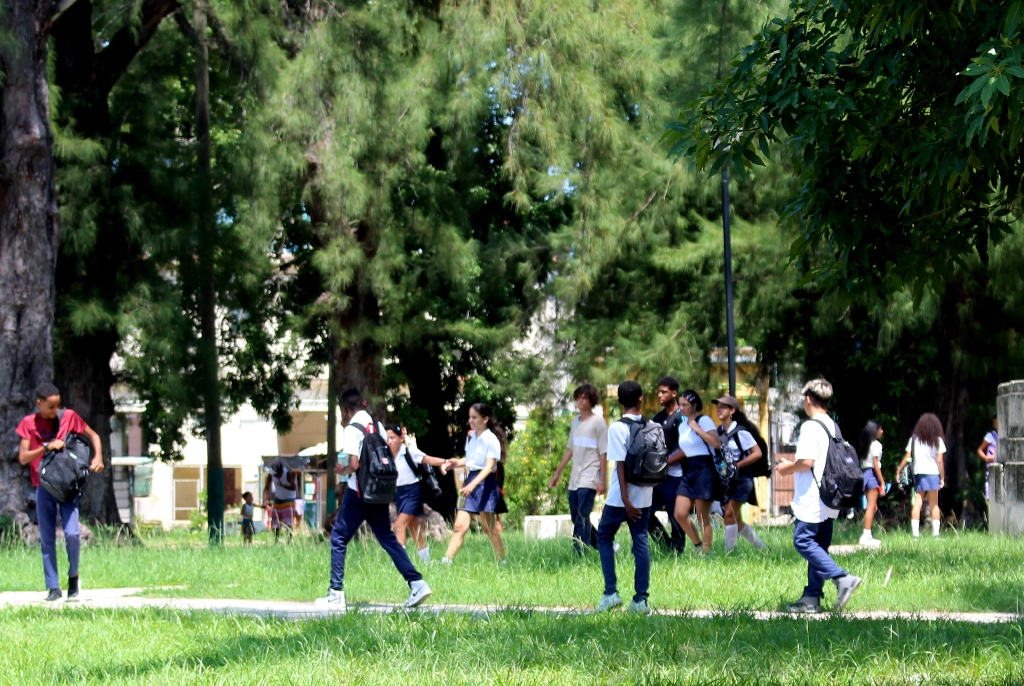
(957, 572)
(963, 572)
(157, 647)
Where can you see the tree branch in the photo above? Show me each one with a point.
(114, 59)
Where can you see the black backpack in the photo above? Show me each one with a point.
(646, 455)
(430, 488)
(63, 472)
(763, 467)
(842, 480)
(378, 473)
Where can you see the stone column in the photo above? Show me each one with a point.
(1006, 506)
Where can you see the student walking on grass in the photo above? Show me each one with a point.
(486, 448)
(699, 486)
(926, 449)
(627, 503)
(409, 498)
(870, 450)
(354, 510)
(812, 533)
(587, 448)
(40, 433)
(665, 493)
(735, 433)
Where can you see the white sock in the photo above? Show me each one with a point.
(915, 526)
(731, 531)
(935, 527)
(867, 535)
(748, 533)
(425, 554)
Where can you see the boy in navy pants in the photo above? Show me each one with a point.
(627, 503)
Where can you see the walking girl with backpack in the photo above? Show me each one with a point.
(737, 436)
(870, 450)
(699, 487)
(486, 448)
(409, 493)
(926, 449)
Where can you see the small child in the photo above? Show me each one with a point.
(247, 510)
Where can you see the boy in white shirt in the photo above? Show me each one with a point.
(628, 503)
(812, 532)
(354, 511)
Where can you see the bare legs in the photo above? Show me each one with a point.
(869, 513)
(682, 515)
(488, 522)
(412, 523)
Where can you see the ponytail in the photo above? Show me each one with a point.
(740, 418)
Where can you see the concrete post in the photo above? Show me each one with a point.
(1006, 477)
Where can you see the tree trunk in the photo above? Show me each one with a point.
(207, 236)
(83, 375)
(28, 231)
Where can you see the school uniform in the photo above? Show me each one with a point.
(812, 533)
(486, 497)
(992, 438)
(665, 493)
(408, 498)
(868, 466)
(354, 511)
(926, 463)
(615, 514)
(588, 440)
(700, 481)
(741, 488)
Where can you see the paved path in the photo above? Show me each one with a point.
(128, 599)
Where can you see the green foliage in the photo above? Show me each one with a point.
(532, 459)
(905, 170)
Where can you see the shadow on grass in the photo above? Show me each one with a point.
(523, 647)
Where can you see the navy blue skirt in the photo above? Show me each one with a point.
(870, 480)
(700, 482)
(926, 482)
(740, 489)
(409, 500)
(485, 498)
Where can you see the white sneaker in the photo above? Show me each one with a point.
(608, 602)
(445, 561)
(640, 607)
(418, 592)
(334, 601)
(871, 543)
(425, 554)
(616, 548)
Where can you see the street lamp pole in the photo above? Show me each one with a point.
(730, 324)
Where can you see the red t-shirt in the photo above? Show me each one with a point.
(38, 431)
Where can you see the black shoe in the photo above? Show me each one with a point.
(55, 594)
(72, 587)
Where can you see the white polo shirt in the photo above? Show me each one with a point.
(407, 477)
(481, 448)
(618, 436)
(812, 445)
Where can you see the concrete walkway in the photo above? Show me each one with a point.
(128, 599)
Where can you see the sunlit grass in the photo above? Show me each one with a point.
(962, 572)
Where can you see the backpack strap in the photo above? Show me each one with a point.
(827, 432)
(412, 465)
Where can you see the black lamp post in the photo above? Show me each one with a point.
(729, 323)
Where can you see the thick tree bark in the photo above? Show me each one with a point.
(28, 231)
(84, 377)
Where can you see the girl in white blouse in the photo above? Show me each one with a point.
(485, 450)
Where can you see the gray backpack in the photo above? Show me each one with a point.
(646, 454)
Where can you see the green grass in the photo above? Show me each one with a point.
(157, 647)
(957, 572)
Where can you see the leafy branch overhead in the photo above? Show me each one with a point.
(902, 119)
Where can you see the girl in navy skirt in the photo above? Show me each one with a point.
(870, 450)
(485, 451)
(699, 486)
(927, 449)
(409, 499)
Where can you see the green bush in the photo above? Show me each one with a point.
(533, 457)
